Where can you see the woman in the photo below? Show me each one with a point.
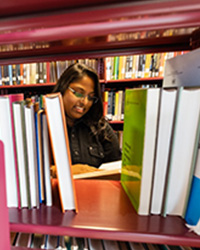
(92, 140)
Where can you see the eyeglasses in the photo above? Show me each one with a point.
(79, 95)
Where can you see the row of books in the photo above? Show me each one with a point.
(26, 130)
(160, 144)
(42, 72)
(41, 241)
(137, 66)
(160, 157)
(19, 119)
(119, 67)
(113, 102)
(149, 34)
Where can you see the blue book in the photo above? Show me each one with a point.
(38, 157)
(193, 208)
(10, 74)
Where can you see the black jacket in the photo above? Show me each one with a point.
(87, 148)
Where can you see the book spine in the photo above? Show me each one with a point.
(193, 207)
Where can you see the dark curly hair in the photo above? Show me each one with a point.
(94, 117)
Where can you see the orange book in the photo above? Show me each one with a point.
(54, 110)
(21, 73)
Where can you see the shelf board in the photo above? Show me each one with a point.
(149, 79)
(21, 248)
(121, 81)
(105, 212)
(24, 248)
(97, 47)
(27, 86)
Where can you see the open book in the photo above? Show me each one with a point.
(110, 170)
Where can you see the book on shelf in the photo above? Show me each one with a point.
(105, 103)
(46, 161)
(165, 127)
(109, 115)
(115, 75)
(111, 245)
(147, 66)
(61, 153)
(23, 240)
(139, 140)
(136, 66)
(192, 215)
(95, 244)
(182, 152)
(128, 67)
(122, 65)
(141, 66)
(30, 129)
(38, 241)
(22, 158)
(185, 134)
(52, 242)
(120, 103)
(178, 73)
(114, 104)
(136, 246)
(33, 78)
(33, 153)
(4, 215)
(108, 68)
(39, 148)
(7, 135)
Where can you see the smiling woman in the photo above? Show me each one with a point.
(92, 140)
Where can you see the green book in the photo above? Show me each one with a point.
(139, 140)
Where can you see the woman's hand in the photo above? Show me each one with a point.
(76, 169)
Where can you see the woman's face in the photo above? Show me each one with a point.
(75, 107)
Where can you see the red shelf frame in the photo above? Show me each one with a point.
(105, 212)
(27, 86)
(151, 79)
(24, 19)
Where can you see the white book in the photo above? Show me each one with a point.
(38, 241)
(32, 154)
(74, 244)
(165, 126)
(46, 162)
(110, 245)
(20, 138)
(136, 246)
(108, 68)
(61, 243)
(180, 169)
(52, 242)
(95, 244)
(7, 138)
(23, 240)
(60, 146)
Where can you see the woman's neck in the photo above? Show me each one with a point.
(70, 122)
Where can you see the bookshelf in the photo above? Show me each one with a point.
(108, 215)
(60, 30)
